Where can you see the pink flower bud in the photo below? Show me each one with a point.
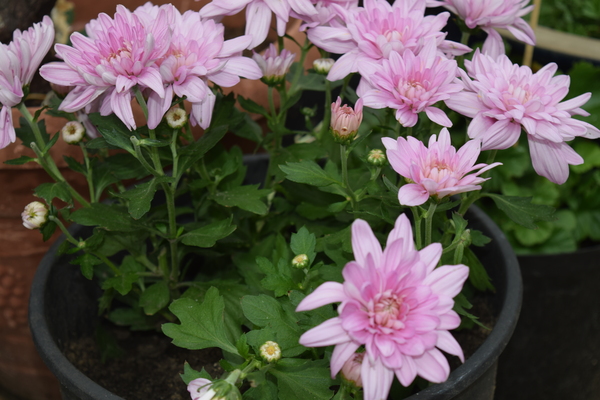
(351, 369)
(345, 120)
(273, 65)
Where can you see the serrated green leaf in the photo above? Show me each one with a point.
(86, 262)
(311, 381)
(277, 279)
(75, 165)
(308, 172)
(20, 161)
(208, 235)
(247, 197)
(252, 107)
(521, 211)
(189, 374)
(109, 217)
(113, 130)
(50, 191)
(48, 230)
(135, 319)
(304, 242)
(155, 298)
(121, 283)
(265, 390)
(140, 198)
(201, 325)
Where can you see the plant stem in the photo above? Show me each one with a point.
(327, 109)
(88, 173)
(418, 234)
(345, 182)
(429, 222)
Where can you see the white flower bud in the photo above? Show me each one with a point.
(300, 261)
(176, 117)
(270, 351)
(323, 65)
(35, 215)
(73, 132)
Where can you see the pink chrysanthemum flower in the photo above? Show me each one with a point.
(411, 84)
(329, 13)
(18, 62)
(437, 170)
(503, 97)
(376, 30)
(491, 14)
(119, 54)
(258, 14)
(274, 65)
(396, 304)
(345, 120)
(198, 54)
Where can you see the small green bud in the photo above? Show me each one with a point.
(377, 158)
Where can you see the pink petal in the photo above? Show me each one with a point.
(447, 343)
(341, 353)
(552, 160)
(433, 366)
(328, 333)
(438, 116)
(448, 279)
(364, 242)
(412, 195)
(430, 256)
(408, 372)
(377, 380)
(326, 293)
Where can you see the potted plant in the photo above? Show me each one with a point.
(252, 269)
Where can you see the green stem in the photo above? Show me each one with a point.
(429, 223)
(151, 133)
(170, 197)
(345, 181)
(140, 156)
(327, 109)
(418, 233)
(466, 203)
(88, 173)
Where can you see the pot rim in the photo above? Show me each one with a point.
(459, 380)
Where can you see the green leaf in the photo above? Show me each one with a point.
(108, 344)
(247, 197)
(75, 165)
(201, 325)
(121, 283)
(308, 172)
(134, 318)
(532, 237)
(311, 381)
(478, 276)
(265, 311)
(252, 107)
(277, 279)
(265, 390)
(155, 298)
(521, 211)
(140, 198)
(109, 217)
(20, 161)
(113, 130)
(208, 235)
(304, 242)
(50, 191)
(86, 262)
(195, 151)
(189, 374)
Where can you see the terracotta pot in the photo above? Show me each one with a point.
(22, 372)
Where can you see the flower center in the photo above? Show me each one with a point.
(517, 94)
(389, 312)
(438, 172)
(412, 90)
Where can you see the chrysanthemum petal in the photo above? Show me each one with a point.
(326, 293)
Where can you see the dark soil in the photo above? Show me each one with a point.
(151, 363)
(154, 364)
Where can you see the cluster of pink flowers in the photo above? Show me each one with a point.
(397, 303)
(18, 62)
(155, 49)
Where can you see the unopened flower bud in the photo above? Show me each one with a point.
(351, 369)
(273, 65)
(323, 65)
(35, 215)
(300, 261)
(73, 132)
(176, 117)
(345, 121)
(270, 351)
(200, 388)
(376, 157)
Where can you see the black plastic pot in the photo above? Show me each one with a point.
(555, 350)
(63, 306)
